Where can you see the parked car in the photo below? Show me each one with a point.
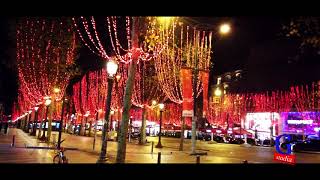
(236, 141)
(308, 145)
(251, 141)
(218, 139)
(294, 138)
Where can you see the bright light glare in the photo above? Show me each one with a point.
(154, 102)
(165, 19)
(112, 68)
(48, 102)
(161, 106)
(225, 28)
(56, 90)
(217, 92)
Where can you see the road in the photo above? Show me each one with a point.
(216, 153)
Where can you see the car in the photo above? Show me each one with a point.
(218, 139)
(251, 141)
(307, 145)
(294, 138)
(236, 141)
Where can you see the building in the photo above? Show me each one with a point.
(226, 81)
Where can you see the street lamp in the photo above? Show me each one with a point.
(35, 122)
(23, 127)
(112, 68)
(161, 107)
(154, 102)
(111, 116)
(47, 103)
(85, 125)
(225, 28)
(56, 90)
(64, 100)
(28, 120)
(118, 77)
(218, 92)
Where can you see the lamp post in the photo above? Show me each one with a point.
(112, 68)
(111, 118)
(85, 124)
(47, 103)
(118, 77)
(161, 107)
(61, 122)
(28, 121)
(35, 122)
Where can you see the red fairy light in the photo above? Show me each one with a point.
(95, 45)
(39, 60)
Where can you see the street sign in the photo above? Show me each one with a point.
(187, 113)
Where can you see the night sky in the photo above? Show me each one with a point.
(254, 45)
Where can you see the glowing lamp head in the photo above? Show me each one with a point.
(87, 114)
(118, 77)
(217, 92)
(112, 112)
(56, 90)
(225, 28)
(36, 108)
(161, 106)
(48, 102)
(154, 102)
(112, 68)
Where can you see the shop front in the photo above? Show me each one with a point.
(304, 123)
(263, 125)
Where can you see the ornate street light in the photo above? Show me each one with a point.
(218, 92)
(111, 116)
(112, 68)
(47, 103)
(161, 107)
(35, 122)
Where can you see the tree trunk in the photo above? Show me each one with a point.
(121, 151)
(143, 127)
(182, 134)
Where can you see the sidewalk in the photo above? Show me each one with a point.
(19, 154)
(142, 153)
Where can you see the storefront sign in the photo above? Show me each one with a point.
(300, 121)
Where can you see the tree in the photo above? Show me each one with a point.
(46, 48)
(306, 30)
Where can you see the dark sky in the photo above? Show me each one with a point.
(254, 45)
